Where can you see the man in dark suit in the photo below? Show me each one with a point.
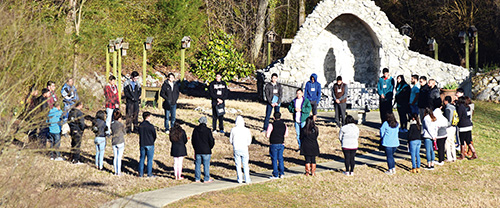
(170, 92)
(133, 97)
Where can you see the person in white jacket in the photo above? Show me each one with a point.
(241, 138)
(348, 136)
(442, 124)
(430, 127)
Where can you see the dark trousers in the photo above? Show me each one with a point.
(132, 111)
(43, 137)
(339, 113)
(385, 107)
(404, 115)
(440, 143)
(76, 143)
(349, 159)
(269, 109)
(215, 118)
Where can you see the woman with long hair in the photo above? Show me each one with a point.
(309, 145)
(464, 129)
(99, 128)
(442, 125)
(118, 141)
(403, 92)
(430, 135)
(389, 135)
(348, 135)
(415, 142)
(178, 150)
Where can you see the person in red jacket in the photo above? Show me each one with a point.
(112, 102)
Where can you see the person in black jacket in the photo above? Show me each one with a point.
(133, 96)
(414, 143)
(464, 129)
(218, 93)
(100, 129)
(147, 138)
(273, 92)
(43, 134)
(170, 92)
(309, 145)
(178, 150)
(403, 99)
(203, 142)
(434, 95)
(423, 97)
(76, 124)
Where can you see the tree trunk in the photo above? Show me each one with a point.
(261, 27)
(302, 12)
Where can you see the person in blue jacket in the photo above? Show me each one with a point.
(385, 88)
(390, 140)
(312, 92)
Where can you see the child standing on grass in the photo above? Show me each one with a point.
(118, 141)
(415, 142)
(178, 150)
(99, 129)
(55, 131)
(389, 134)
(348, 135)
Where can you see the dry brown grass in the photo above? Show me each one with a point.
(452, 185)
(31, 179)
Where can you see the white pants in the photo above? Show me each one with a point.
(178, 167)
(449, 146)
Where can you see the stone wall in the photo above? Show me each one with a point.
(486, 87)
(354, 39)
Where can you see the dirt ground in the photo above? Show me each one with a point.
(30, 178)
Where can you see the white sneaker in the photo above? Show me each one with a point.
(214, 132)
(59, 159)
(272, 177)
(167, 132)
(440, 163)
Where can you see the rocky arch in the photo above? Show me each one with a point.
(372, 41)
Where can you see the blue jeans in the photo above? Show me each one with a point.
(117, 159)
(109, 118)
(240, 157)
(429, 150)
(148, 151)
(269, 109)
(297, 130)
(55, 143)
(389, 151)
(100, 144)
(415, 153)
(276, 152)
(170, 116)
(199, 158)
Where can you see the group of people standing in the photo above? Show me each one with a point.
(438, 122)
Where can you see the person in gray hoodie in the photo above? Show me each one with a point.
(118, 141)
(241, 138)
(348, 135)
(451, 131)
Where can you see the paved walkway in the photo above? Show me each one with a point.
(162, 197)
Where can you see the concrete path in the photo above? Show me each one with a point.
(162, 197)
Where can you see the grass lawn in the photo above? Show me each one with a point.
(30, 179)
(461, 184)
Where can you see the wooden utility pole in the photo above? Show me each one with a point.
(302, 12)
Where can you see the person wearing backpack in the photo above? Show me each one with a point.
(450, 113)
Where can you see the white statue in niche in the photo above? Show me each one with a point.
(345, 62)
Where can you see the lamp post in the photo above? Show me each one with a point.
(271, 38)
(433, 46)
(185, 43)
(109, 49)
(464, 39)
(147, 46)
(406, 30)
(473, 33)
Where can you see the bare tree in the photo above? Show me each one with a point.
(302, 12)
(73, 23)
(260, 29)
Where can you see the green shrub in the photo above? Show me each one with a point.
(220, 55)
